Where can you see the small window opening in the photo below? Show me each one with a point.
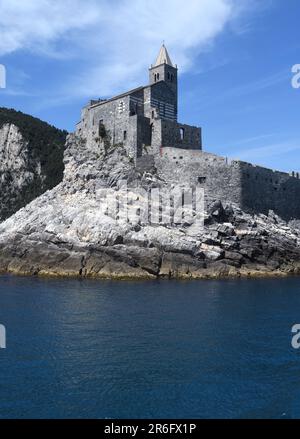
(181, 133)
(102, 130)
(125, 135)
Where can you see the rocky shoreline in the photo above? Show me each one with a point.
(64, 233)
(248, 246)
(114, 271)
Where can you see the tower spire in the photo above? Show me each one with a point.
(163, 57)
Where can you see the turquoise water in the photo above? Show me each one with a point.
(199, 349)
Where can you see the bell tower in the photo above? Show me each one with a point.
(164, 70)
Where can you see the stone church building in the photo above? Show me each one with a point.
(144, 120)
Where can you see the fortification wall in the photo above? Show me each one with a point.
(253, 188)
(264, 189)
(220, 179)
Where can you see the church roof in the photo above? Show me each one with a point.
(127, 93)
(163, 57)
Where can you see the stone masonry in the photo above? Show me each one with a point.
(144, 122)
(144, 119)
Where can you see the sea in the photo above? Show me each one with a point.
(201, 349)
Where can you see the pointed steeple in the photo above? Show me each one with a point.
(163, 57)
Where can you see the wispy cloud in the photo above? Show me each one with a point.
(112, 40)
(255, 139)
(271, 150)
(247, 88)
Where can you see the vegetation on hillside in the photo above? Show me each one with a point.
(46, 143)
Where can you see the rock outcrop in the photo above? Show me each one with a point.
(31, 159)
(66, 232)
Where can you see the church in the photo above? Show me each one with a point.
(144, 119)
(144, 122)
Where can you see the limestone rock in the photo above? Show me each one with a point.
(69, 231)
(31, 159)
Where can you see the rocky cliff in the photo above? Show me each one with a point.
(31, 159)
(67, 232)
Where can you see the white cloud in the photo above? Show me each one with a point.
(113, 40)
(35, 24)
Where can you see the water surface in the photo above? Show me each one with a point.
(162, 349)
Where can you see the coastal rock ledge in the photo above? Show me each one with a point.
(65, 232)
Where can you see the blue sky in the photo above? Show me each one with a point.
(234, 57)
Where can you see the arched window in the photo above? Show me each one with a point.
(158, 76)
(169, 76)
(181, 130)
(154, 77)
(172, 77)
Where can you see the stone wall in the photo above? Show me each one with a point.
(220, 179)
(115, 116)
(144, 120)
(264, 189)
(253, 188)
(171, 136)
(139, 136)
